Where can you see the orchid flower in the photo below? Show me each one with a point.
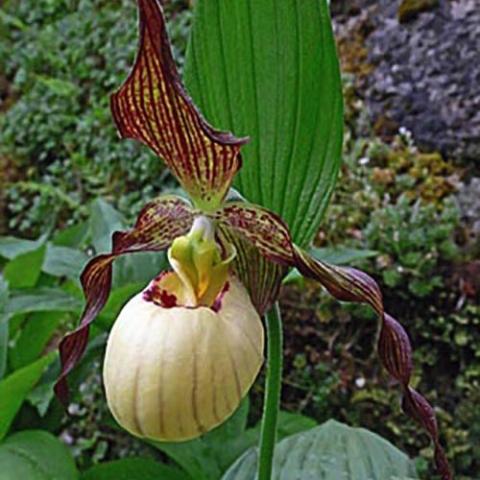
(184, 352)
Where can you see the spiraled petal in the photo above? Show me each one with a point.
(271, 236)
(153, 107)
(158, 224)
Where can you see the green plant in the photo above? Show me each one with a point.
(336, 442)
(68, 58)
(413, 241)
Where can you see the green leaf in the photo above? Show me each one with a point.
(64, 261)
(16, 387)
(58, 86)
(269, 70)
(73, 236)
(116, 300)
(25, 269)
(331, 451)
(35, 455)
(3, 347)
(59, 260)
(33, 337)
(138, 267)
(288, 424)
(42, 299)
(11, 247)
(291, 423)
(104, 220)
(4, 333)
(133, 469)
(41, 396)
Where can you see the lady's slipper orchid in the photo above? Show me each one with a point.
(183, 352)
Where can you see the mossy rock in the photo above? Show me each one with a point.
(409, 9)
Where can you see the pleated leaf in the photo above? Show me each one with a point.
(35, 455)
(268, 70)
(332, 451)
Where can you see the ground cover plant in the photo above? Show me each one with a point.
(40, 307)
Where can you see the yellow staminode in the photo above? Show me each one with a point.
(197, 261)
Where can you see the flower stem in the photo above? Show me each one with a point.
(273, 385)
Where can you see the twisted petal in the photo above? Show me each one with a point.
(153, 107)
(271, 237)
(158, 224)
(261, 277)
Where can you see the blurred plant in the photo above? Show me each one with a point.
(413, 240)
(68, 56)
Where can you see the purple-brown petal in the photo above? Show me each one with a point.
(153, 107)
(158, 224)
(417, 407)
(395, 350)
(270, 235)
(260, 276)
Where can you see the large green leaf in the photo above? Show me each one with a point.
(332, 451)
(33, 337)
(134, 469)
(42, 299)
(117, 299)
(73, 237)
(104, 220)
(269, 70)
(137, 267)
(64, 261)
(35, 455)
(11, 247)
(25, 269)
(3, 347)
(15, 388)
(57, 260)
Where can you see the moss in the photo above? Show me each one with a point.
(409, 9)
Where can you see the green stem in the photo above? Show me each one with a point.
(273, 385)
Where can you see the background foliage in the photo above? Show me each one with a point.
(59, 60)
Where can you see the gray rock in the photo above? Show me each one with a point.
(427, 73)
